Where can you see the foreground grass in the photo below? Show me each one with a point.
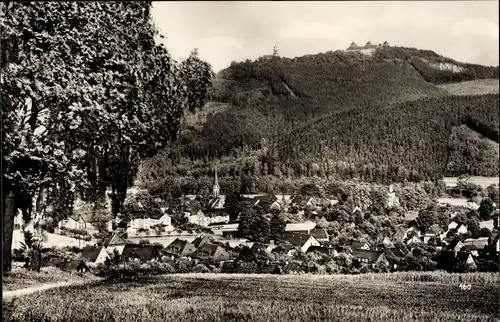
(226, 297)
(21, 278)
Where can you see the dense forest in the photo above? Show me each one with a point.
(395, 142)
(336, 115)
(471, 153)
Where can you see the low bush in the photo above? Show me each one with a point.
(133, 269)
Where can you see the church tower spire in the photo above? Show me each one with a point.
(216, 188)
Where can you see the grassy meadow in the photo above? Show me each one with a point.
(475, 87)
(232, 297)
(21, 278)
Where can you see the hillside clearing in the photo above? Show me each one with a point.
(50, 240)
(198, 297)
(484, 182)
(475, 87)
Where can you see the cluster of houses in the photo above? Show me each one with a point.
(127, 250)
(305, 236)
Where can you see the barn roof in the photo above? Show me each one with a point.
(411, 215)
(371, 255)
(215, 212)
(200, 241)
(478, 242)
(211, 249)
(494, 237)
(487, 224)
(268, 198)
(142, 252)
(462, 257)
(454, 243)
(296, 239)
(321, 249)
(448, 259)
(400, 232)
(90, 253)
(300, 199)
(357, 244)
(304, 226)
(73, 264)
(184, 247)
(434, 229)
(319, 233)
(213, 202)
(115, 239)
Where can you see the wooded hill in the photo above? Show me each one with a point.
(336, 114)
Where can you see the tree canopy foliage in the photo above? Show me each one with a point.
(87, 93)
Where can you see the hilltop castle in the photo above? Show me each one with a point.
(367, 49)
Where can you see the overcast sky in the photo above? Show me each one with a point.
(234, 31)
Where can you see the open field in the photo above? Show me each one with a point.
(475, 87)
(21, 278)
(228, 297)
(484, 182)
(51, 240)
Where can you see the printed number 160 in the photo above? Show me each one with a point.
(465, 287)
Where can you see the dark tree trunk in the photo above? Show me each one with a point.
(9, 212)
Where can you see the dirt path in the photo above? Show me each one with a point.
(38, 288)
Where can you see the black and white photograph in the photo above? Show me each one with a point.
(253, 161)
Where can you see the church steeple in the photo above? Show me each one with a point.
(216, 188)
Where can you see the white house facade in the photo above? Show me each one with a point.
(310, 242)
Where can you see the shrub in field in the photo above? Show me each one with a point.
(158, 268)
(487, 265)
(132, 269)
(200, 268)
(464, 268)
(184, 266)
(332, 268)
(18, 255)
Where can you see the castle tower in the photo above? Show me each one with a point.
(275, 50)
(216, 188)
(392, 199)
(353, 46)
